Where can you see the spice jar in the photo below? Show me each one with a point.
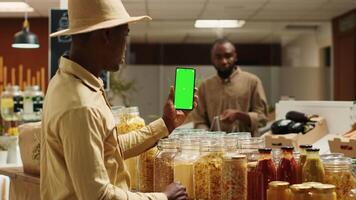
(300, 192)
(323, 192)
(250, 146)
(207, 170)
(302, 158)
(338, 172)
(313, 170)
(164, 164)
(252, 181)
(266, 172)
(127, 120)
(234, 177)
(278, 190)
(184, 162)
(287, 169)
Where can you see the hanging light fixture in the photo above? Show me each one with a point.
(25, 39)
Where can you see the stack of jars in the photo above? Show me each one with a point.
(19, 106)
(207, 164)
(307, 191)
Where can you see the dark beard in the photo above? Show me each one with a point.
(226, 73)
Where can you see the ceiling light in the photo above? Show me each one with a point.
(25, 39)
(15, 7)
(219, 23)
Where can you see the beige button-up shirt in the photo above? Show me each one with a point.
(82, 156)
(242, 91)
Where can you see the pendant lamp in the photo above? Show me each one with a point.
(25, 39)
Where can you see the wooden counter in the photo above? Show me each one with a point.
(22, 186)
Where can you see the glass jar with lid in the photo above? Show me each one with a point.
(230, 144)
(323, 192)
(302, 158)
(12, 103)
(300, 192)
(266, 172)
(338, 172)
(252, 184)
(288, 168)
(164, 164)
(278, 190)
(184, 162)
(33, 103)
(234, 177)
(250, 146)
(313, 170)
(207, 169)
(127, 120)
(116, 112)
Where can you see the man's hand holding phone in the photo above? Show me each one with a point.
(172, 117)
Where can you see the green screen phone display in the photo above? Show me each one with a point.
(184, 88)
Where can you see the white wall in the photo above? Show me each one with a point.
(305, 49)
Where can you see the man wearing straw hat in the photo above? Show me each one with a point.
(82, 157)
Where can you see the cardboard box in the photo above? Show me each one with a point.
(296, 139)
(343, 145)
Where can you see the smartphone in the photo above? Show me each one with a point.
(184, 88)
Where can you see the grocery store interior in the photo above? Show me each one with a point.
(291, 136)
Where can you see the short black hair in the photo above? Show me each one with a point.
(221, 41)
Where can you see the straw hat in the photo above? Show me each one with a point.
(90, 15)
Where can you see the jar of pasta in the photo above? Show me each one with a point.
(207, 170)
(164, 164)
(127, 120)
(234, 177)
(323, 192)
(146, 170)
(338, 172)
(184, 162)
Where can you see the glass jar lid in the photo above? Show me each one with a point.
(324, 188)
(278, 185)
(300, 188)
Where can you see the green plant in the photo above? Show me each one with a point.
(121, 87)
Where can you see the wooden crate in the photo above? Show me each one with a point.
(296, 139)
(343, 145)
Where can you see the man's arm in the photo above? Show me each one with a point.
(199, 115)
(81, 133)
(257, 116)
(258, 111)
